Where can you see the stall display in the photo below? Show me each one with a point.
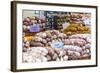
(61, 38)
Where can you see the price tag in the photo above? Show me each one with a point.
(57, 44)
(34, 28)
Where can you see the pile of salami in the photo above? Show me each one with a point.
(53, 45)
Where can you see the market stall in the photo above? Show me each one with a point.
(59, 36)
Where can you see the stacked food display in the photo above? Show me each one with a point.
(70, 41)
